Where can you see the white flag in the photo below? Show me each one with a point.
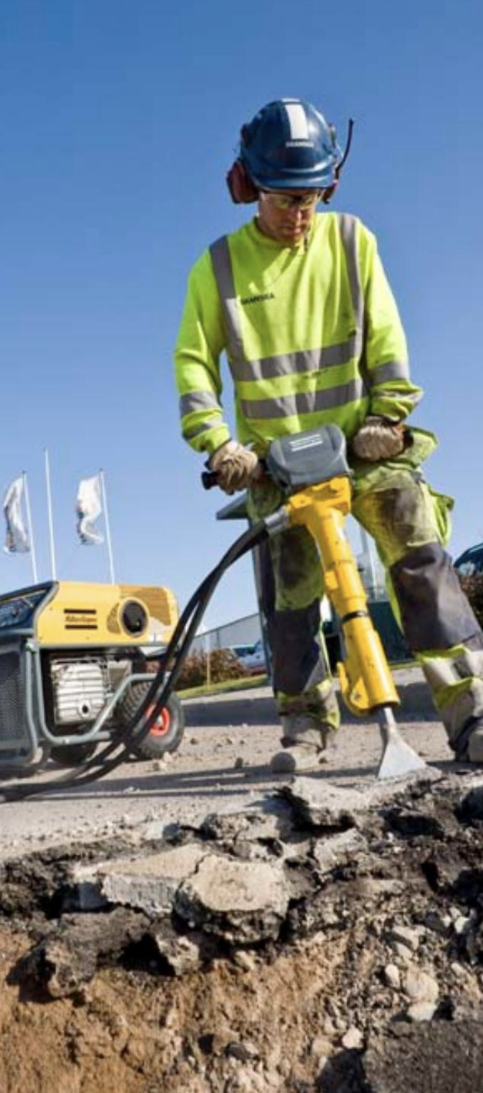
(17, 538)
(88, 509)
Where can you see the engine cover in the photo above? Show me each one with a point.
(80, 690)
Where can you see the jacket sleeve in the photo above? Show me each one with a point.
(392, 394)
(199, 345)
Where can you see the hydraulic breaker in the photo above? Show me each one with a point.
(365, 679)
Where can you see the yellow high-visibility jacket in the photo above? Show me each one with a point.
(312, 335)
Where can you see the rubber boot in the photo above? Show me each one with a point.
(469, 745)
(304, 741)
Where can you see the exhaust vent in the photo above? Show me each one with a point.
(134, 617)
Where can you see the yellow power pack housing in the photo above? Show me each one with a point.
(106, 614)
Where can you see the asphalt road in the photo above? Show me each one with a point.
(223, 763)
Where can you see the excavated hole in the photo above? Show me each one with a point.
(361, 970)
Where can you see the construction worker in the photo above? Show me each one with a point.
(300, 304)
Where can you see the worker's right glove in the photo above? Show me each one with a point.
(234, 466)
(379, 438)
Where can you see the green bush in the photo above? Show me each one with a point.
(473, 587)
(223, 665)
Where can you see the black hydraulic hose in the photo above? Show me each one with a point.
(160, 689)
(159, 692)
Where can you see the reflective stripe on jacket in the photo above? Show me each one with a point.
(312, 334)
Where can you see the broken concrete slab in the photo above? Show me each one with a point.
(321, 804)
(147, 882)
(338, 850)
(240, 901)
(267, 819)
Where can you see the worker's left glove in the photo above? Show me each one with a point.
(234, 466)
(379, 438)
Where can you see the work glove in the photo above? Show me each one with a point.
(379, 438)
(234, 466)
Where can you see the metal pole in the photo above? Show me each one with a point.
(30, 527)
(49, 511)
(208, 659)
(108, 530)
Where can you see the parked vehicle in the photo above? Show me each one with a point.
(471, 561)
(253, 657)
(240, 651)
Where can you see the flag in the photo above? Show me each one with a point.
(17, 537)
(88, 509)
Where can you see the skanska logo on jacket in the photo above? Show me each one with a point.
(257, 299)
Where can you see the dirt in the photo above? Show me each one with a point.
(372, 982)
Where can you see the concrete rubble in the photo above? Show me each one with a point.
(373, 902)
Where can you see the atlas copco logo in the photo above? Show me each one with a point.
(299, 144)
(257, 299)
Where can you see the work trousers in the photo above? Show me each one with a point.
(410, 525)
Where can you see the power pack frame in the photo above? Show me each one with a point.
(76, 661)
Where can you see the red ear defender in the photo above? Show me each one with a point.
(242, 189)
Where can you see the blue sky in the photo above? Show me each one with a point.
(119, 121)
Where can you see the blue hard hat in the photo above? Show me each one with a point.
(289, 145)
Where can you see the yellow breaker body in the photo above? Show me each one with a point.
(365, 679)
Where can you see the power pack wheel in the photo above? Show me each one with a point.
(167, 731)
(72, 755)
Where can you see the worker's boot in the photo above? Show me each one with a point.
(304, 741)
(469, 745)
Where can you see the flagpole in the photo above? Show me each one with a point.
(49, 511)
(30, 527)
(108, 530)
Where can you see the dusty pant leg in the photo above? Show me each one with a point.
(442, 630)
(456, 680)
(290, 579)
(435, 615)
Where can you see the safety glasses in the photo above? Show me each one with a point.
(279, 200)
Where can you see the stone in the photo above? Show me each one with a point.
(183, 953)
(392, 976)
(402, 951)
(406, 936)
(421, 1011)
(461, 924)
(338, 850)
(245, 960)
(238, 900)
(353, 1039)
(458, 970)
(419, 986)
(320, 1047)
(242, 1050)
